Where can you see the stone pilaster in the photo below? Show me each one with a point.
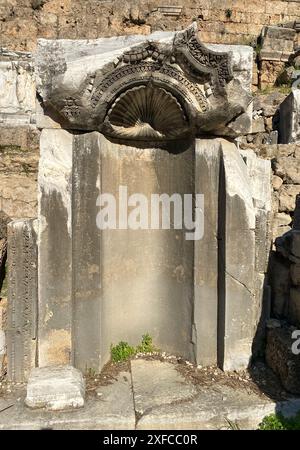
(22, 299)
(207, 167)
(55, 248)
(86, 252)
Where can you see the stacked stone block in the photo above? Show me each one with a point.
(230, 22)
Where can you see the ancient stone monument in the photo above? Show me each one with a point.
(157, 115)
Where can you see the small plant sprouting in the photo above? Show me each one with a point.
(146, 345)
(123, 351)
(228, 13)
(278, 422)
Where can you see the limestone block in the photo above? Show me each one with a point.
(280, 358)
(289, 118)
(287, 168)
(55, 247)
(268, 103)
(287, 197)
(22, 298)
(269, 72)
(258, 125)
(282, 219)
(276, 182)
(55, 388)
(277, 43)
(18, 195)
(13, 135)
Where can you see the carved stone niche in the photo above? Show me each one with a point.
(164, 88)
(93, 288)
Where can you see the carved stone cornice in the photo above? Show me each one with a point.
(200, 80)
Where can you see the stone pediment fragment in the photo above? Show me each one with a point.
(160, 88)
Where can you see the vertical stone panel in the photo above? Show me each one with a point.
(147, 274)
(259, 171)
(86, 253)
(207, 167)
(22, 299)
(237, 254)
(289, 118)
(55, 248)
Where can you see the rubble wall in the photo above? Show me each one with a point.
(221, 21)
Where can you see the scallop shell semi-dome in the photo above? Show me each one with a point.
(147, 112)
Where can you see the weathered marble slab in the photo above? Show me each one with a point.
(55, 248)
(55, 388)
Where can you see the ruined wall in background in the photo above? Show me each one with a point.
(19, 137)
(285, 160)
(221, 21)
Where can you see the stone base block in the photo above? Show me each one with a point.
(281, 359)
(55, 388)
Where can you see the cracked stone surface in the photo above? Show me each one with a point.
(157, 383)
(209, 409)
(154, 396)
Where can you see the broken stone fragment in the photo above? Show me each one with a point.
(289, 122)
(287, 196)
(282, 219)
(55, 388)
(288, 169)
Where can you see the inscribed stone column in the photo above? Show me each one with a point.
(22, 299)
(207, 167)
(86, 252)
(55, 248)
